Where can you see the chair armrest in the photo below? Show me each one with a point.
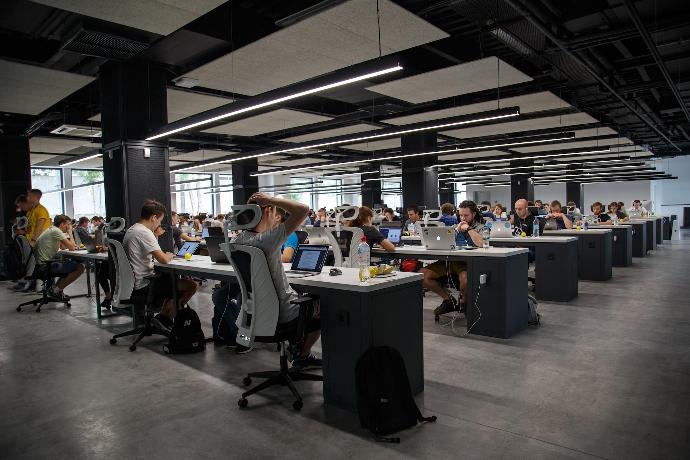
(303, 299)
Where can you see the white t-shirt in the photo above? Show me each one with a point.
(270, 242)
(48, 244)
(139, 244)
(640, 209)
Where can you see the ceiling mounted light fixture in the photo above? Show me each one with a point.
(85, 157)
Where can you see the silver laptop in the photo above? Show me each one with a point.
(634, 214)
(500, 229)
(438, 238)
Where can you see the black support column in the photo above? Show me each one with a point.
(243, 183)
(446, 195)
(521, 184)
(371, 189)
(133, 103)
(573, 192)
(419, 178)
(15, 179)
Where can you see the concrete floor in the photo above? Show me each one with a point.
(605, 376)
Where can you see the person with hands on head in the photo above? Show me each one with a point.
(141, 245)
(556, 213)
(269, 235)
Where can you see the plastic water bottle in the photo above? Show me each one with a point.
(486, 232)
(535, 227)
(614, 219)
(586, 225)
(363, 260)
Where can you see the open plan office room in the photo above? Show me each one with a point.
(344, 229)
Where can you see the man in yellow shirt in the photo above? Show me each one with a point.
(38, 215)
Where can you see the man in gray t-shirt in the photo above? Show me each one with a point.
(269, 235)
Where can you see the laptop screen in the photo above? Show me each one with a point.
(394, 235)
(188, 247)
(204, 232)
(310, 258)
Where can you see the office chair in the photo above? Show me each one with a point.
(344, 244)
(123, 301)
(258, 318)
(44, 274)
(302, 236)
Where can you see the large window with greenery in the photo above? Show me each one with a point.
(88, 200)
(331, 195)
(225, 194)
(191, 193)
(302, 190)
(48, 179)
(391, 194)
(460, 193)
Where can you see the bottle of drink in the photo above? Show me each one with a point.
(614, 219)
(586, 225)
(486, 232)
(363, 259)
(535, 227)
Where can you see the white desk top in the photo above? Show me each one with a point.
(645, 219)
(348, 281)
(539, 240)
(83, 255)
(578, 232)
(432, 254)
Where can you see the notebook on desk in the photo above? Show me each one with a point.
(308, 261)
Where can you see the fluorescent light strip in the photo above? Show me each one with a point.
(410, 155)
(62, 190)
(503, 160)
(79, 160)
(357, 139)
(278, 101)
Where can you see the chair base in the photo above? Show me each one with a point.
(38, 303)
(284, 376)
(147, 330)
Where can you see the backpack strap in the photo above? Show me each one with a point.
(422, 419)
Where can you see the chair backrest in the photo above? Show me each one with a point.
(344, 245)
(124, 275)
(301, 236)
(77, 239)
(258, 316)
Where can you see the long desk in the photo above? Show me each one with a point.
(594, 252)
(622, 243)
(650, 226)
(354, 317)
(639, 238)
(503, 300)
(97, 257)
(554, 264)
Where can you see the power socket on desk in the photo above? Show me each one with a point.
(483, 278)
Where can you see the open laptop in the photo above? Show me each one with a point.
(188, 247)
(214, 251)
(438, 238)
(90, 245)
(500, 229)
(392, 234)
(634, 214)
(308, 261)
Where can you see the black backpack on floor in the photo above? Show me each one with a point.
(186, 335)
(384, 397)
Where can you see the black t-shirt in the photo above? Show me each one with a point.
(177, 237)
(372, 235)
(603, 217)
(524, 225)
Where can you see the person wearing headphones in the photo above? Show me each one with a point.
(637, 206)
(597, 209)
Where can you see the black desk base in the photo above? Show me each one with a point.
(594, 254)
(639, 239)
(622, 246)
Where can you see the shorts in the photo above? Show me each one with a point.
(440, 268)
(63, 268)
(313, 322)
(162, 289)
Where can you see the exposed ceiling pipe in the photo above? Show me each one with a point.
(644, 33)
(517, 6)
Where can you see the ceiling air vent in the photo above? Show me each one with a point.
(101, 44)
(74, 130)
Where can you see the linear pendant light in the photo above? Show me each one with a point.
(268, 99)
(434, 125)
(550, 169)
(504, 143)
(72, 161)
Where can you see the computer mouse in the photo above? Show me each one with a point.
(335, 272)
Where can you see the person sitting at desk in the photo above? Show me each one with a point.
(621, 209)
(412, 216)
(615, 211)
(499, 212)
(485, 209)
(576, 213)
(468, 233)
(637, 206)
(364, 221)
(179, 236)
(448, 216)
(523, 221)
(141, 245)
(56, 237)
(320, 218)
(82, 229)
(389, 215)
(289, 248)
(597, 211)
(269, 235)
(556, 214)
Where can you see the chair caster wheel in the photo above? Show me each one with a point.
(132, 347)
(297, 405)
(246, 381)
(68, 305)
(113, 341)
(242, 403)
(18, 308)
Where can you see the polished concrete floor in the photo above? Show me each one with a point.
(605, 376)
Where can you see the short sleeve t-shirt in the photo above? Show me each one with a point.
(372, 235)
(177, 237)
(464, 238)
(48, 244)
(603, 217)
(83, 234)
(524, 225)
(291, 242)
(449, 220)
(139, 244)
(35, 214)
(270, 242)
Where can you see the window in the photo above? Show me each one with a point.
(332, 198)
(391, 194)
(302, 192)
(460, 194)
(193, 195)
(47, 179)
(225, 195)
(88, 201)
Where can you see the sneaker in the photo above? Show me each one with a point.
(19, 285)
(105, 304)
(306, 362)
(241, 349)
(57, 294)
(30, 286)
(446, 306)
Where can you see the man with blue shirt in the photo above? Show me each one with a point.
(448, 216)
(289, 248)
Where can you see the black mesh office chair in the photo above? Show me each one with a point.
(43, 273)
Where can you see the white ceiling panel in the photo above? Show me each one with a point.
(40, 157)
(575, 145)
(466, 78)
(393, 143)
(535, 102)
(158, 16)
(200, 155)
(268, 122)
(339, 37)
(57, 145)
(342, 131)
(522, 125)
(31, 89)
